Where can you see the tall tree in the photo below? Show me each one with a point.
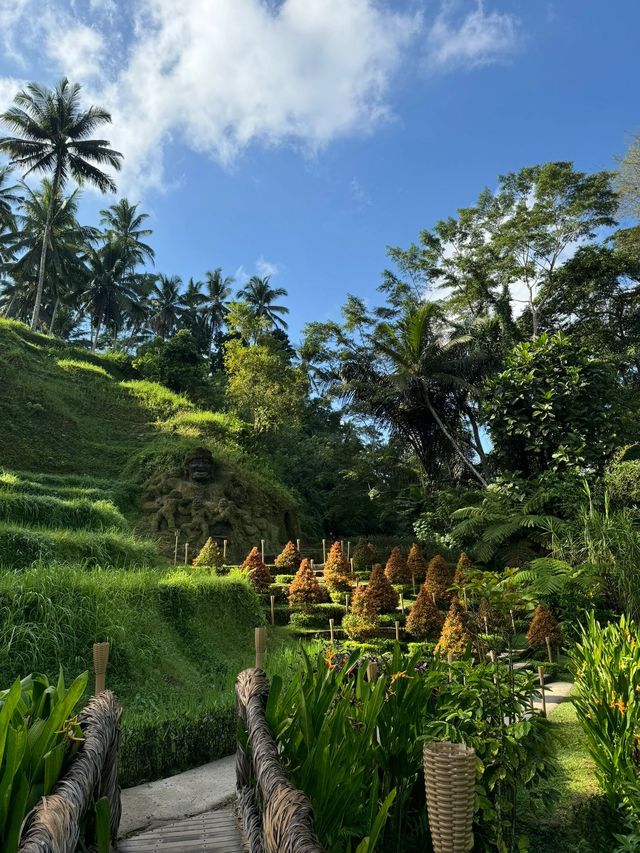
(218, 291)
(9, 196)
(628, 179)
(166, 304)
(123, 226)
(259, 294)
(53, 136)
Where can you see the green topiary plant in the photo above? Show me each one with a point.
(425, 621)
(364, 555)
(417, 563)
(210, 556)
(380, 595)
(396, 569)
(289, 558)
(438, 581)
(305, 590)
(258, 573)
(544, 624)
(454, 637)
(337, 571)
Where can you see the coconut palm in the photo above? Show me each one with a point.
(53, 135)
(167, 304)
(260, 296)
(9, 196)
(218, 291)
(123, 228)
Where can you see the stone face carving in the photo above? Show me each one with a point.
(199, 466)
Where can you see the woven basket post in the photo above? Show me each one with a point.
(100, 661)
(261, 644)
(450, 778)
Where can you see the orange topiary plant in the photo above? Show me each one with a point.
(417, 563)
(210, 556)
(289, 558)
(360, 604)
(424, 621)
(337, 571)
(438, 581)
(494, 620)
(258, 573)
(463, 569)
(305, 590)
(454, 637)
(381, 596)
(544, 624)
(396, 569)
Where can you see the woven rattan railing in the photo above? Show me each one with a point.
(276, 817)
(54, 825)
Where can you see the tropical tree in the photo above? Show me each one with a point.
(53, 135)
(259, 294)
(166, 303)
(9, 196)
(123, 228)
(218, 290)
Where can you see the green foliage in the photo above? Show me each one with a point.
(74, 514)
(37, 733)
(606, 697)
(289, 558)
(622, 481)
(210, 556)
(361, 626)
(176, 363)
(555, 407)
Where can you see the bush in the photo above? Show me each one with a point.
(364, 555)
(438, 581)
(544, 624)
(210, 556)
(396, 569)
(283, 579)
(256, 570)
(380, 596)
(289, 558)
(305, 590)
(360, 605)
(425, 650)
(425, 621)
(360, 627)
(337, 571)
(454, 637)
(280, 592)
(463, 571)
(417, 563)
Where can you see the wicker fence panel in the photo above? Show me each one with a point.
(54, 824)
(276, 817)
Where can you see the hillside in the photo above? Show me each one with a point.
(66, 411)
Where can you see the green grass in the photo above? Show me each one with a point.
(73, 513)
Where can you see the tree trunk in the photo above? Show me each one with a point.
(53, 314)
(43, 254)
(454, 444)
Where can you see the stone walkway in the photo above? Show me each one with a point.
(555, 694)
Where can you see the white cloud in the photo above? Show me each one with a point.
(479, 38)
(266, 268)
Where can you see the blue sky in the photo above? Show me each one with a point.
(302, 137)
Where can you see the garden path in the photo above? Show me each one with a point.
(555, 693)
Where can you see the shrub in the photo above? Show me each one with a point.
(425, 621)
(210, 556)
(454, 637)
(416, 562)
(364, 555)
(283, 579)
(257, 571)
(381, 597)
(289, 558)
(305, 590)
(337, 571)
(280, 591)
(544, 624)
(438, 581)
(463, 570)
(360, 604)
(396, 569)
(360, 627)
(494, 620)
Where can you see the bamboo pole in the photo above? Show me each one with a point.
(433, 596)
(486, 625)
(273, 610)
(298, 544)
(261, 644)
(331, 629)
(397, 624)
(548, 642)
(349, 551)
(224, 551)
(450, 661)
(513, 621)
(413, 583)
(100, 662)
(175, 550)
(186, 553)
(372, 671)
(262, 548)
(324, 550)
(402, 603)
(346, 600)
(544, 698)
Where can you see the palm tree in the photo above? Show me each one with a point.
(9, 195)
(53, 136)
(260, 296)
(167, 304)
(218, 292)
(123, 226)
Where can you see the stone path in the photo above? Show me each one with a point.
(555, 694)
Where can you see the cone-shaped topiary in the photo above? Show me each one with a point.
(544, 624)
(454, 637)
(305, 590)
(381, 596)
(258, 573)
(494, 620)
(463, 570)
(417, 563)
(360, 604)
(425, 621)
(396, 569)
(337, 571)
(364, 555)
(289, 558)
(439, 580)
(210, 556)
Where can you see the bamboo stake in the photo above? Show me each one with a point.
(351, 562)
(372, 671)
(273, 610)
(433, 595)
(331, 629)
(262, 547)
(342, 545)
(175, 550)
(298, 544)
(450, 661)
(186, 553)
(464, 596)
(324, 550)
(544, 699)
(397, 624)
(513, 622)
(402, 603)
(548, 642)
(346, 600)
(349, 551)
(413, 582)
(224, 551)
(261, 644)
(486, 625)
(100, 661)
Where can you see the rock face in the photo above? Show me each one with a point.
(204, 499)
